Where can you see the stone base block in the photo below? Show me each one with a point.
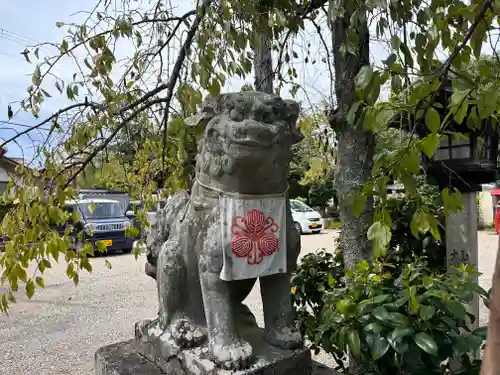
(266, 359)
(123, 359)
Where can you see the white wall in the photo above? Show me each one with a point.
(486, 205)
(4, 176)
(486, 215)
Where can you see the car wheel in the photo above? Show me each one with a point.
(298, 227)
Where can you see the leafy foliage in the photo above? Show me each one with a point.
(409, 324)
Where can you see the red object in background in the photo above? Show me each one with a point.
(496, 193)
(497, 219)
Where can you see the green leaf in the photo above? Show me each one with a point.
(364, 76)
(426, 343)
(391, 59)
(379, 348)
(351, 115)
(456, 308)
(214, 88)
(358, 204)
(411, 160)
(37, 76)
(331, 280)
(419, 223)
(374, 327)
(64, 46)
(354, 343)
(5, 304)
(40, 282)
(426, 312)
(30, 288)
(25, 53)
(400, 332)
(70, 270)
(478, 36)
(452, 201)
(380, 235)
(107, 264)
(458, 97)
(69, 92)
(460, 112)
(398, 319)
(432, 120)
(381, 313)
(19, 272)
(430, 144)
(433, 227)
(59, 24)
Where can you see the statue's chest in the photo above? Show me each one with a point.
(253, 236)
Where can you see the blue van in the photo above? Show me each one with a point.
(104, 220)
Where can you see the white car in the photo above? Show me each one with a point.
(305, 219)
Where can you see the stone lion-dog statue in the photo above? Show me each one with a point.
(245, 152)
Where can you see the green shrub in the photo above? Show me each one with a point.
(404, 245)
(408, 325)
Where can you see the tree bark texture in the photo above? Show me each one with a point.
(491, 360)
(355, 146)
(263, 67)
(263, 60)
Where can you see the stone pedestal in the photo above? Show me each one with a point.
(461, 241)
(123, 359)
(266, 359)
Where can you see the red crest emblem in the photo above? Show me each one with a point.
(254, 236)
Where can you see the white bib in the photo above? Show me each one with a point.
(253, 236)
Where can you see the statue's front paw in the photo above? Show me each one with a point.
(284, 337)
(231, 354)
(186, 334)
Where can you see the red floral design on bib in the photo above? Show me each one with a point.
(254, 236)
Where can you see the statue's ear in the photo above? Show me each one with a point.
(202, 118)
(292, 115)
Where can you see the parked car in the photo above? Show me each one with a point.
(305, 219)
(102, 220)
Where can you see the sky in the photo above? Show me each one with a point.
(19, 27)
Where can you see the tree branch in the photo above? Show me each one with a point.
(108, 140)
(178, 66)
(47, 120)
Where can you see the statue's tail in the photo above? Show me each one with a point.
(159, 232)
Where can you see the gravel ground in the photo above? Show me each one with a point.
(59, 330)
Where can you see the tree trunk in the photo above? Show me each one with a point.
(355, 146)
(491, 363)
(263, 66)
(263, 61)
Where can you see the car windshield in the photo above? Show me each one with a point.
(101, 210)
(299, 206)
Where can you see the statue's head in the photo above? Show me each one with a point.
(248, 138)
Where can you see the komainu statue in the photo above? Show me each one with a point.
(209, 247)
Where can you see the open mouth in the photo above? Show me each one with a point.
(250, 143)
